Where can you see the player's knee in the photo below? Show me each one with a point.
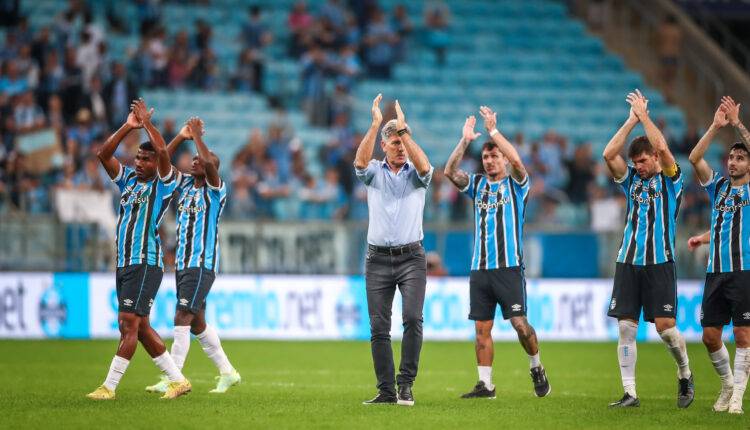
(182, 317)
(197, 326)
(128, 324)
(712, 341)
(664, 324)
(379, 322)
(742, 337)
(627, 330)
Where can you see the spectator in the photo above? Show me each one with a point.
(380, 40)
(314, 66)
(181, 61)
(403, 26)
(118, 93)
(255, 37)
(580, 174)
(435, 265)
(437, 22)
(300, 23)
(93, 100)
(27, 116)
(158, 58)
(12, 82)
(689, 140)
(271, 189)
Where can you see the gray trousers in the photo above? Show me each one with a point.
(383, 273)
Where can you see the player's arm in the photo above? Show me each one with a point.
(106, 153)
(182, 136)
(144, 114)
(616, 165)
(695, 242)
(702, 169)
(364, 151)
(639, 104)
(517, 169)
(460, 178)
(732, 111)
(207, 159)
(415, 153)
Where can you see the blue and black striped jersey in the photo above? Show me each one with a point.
(499, 210)
(198, 213)
(730, 226)
(651, 217)
(142, 208)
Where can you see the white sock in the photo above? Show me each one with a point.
(211, 344)
(741, 368)
(534, 361)
(676, 345)
(165, 363)
(485, 375)
(720, 360)
(627, 354)
(180, 345)
(116, 370)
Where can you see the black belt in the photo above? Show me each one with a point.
(396, 250)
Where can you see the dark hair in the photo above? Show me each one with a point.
(489, 146)
(739, 146)
(639, 145)
(147, 146)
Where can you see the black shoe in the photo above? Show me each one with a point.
(480, 391)
(381, 399)
(405, 398)
(685, 392)
(627, 401)
(541, 384)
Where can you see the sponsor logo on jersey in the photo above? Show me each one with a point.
(516, 307)
(668, 308)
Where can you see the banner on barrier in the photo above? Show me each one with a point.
(313, 307)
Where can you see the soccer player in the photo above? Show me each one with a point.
(202, 196)
(726, 296)
(497, 269)
(645, 273)
(396, 190)
(146, 193)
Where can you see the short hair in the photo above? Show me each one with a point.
(147, 146)
(639, 145)
(740, 147)
(390, 128)
(489, 146)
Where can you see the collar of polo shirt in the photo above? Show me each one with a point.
(385, 164)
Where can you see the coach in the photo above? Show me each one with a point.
(396, 188)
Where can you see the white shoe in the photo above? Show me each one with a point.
(722, 403)
(735, 404)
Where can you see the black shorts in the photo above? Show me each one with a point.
(726, 297)
(137, 286)
(652, 287)
(193, 285)
(488, 288)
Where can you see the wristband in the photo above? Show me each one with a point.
(402, 132)
(494, 132)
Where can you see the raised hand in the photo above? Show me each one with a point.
(638, 104)
(732, 109)
(490, 117)
(195, 125)
(400, 121)
(468, 132)
(720, 117)
(132, 121)
(141, 111)
(377, 115)
(185, 132)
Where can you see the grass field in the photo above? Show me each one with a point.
(322, 384)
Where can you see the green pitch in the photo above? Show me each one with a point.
(322, 385)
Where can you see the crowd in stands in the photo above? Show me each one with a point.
(61, 79)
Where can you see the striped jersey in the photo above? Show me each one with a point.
(499, 210)
(198, 213)
(142, 208)
(730, 226)
(651, 217)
